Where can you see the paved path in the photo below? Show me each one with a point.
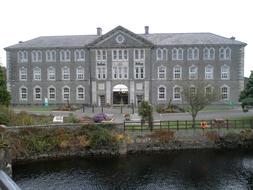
(118, 116)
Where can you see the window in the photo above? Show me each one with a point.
(162, 93)
(139, 70)
(37, 93)
(80, 93)
(37, 74)
(23, 74)
(120, 70)
(225, 53)
(36, 56)
(120, 55)
(193, 53)
(51, 56)
(51, 73)
(23, 93)
(65, 93)
(162, 72)
(224, 92)
(208, 90)
(64, 55)
(177, 54)
(22, 56)
(209, 72)
(225, 72)
(101, 67)
(139, 54)
(177, 72)
(176, 93)
(65, 73)
(193, 90)
(101, 55)
(80, 73)
(208, 53)
(51, 93)
(161, 54)
(193, 72)
(79, 55)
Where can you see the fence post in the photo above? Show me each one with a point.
(83, 108)
(141, 127)
(92, 108)
(124, 126)
(177, 125)
(227, 123)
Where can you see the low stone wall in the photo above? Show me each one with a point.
(72, 141)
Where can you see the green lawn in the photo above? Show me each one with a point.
(34, 108)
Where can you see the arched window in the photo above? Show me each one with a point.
(22, 56)
(208, 90)
(192, 90)
(225, 72)
(80, 93)
(37, 93)
(51, 73)
(190, 54)
(65, 73)
(222, 53)
(177, 54)
(64, 55)
(224, 92)
(162, 72)
(195, 54)
(211, 53)
(23, 93)
(162, 93)
(79, 55)
(50, 55)
(37, 74)
(66, 93)
(36, 56)
(79, 73)
(177, 72)
(227, 53)
(177, 93)
(22, 74)
(209, 72)
(159, 54)
(193, 72)
(51, 93)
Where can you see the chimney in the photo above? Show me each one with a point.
(20, 42)
(232, 38)
(146, 29)
(99, 31)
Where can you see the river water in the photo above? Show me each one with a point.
(177, 170)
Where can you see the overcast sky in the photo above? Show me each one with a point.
(22, 20)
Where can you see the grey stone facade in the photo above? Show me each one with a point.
(101, 91)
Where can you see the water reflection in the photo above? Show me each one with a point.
(178, 170)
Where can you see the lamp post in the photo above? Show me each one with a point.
(121, 100)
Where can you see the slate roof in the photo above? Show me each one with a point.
(162, 39)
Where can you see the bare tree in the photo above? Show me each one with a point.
(197, 96)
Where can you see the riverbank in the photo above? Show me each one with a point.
(66, 141)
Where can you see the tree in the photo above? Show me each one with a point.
(4, 94)
(197, 96)
(246, 96)
(146, 113)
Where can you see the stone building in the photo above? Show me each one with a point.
(123, 67)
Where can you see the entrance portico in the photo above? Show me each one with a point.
(120, 94)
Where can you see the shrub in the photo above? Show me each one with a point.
(99, 137)
(72, 119)
(23, 118)
(7, 116)
(99, 117)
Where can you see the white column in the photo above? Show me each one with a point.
(146, 90)
(108, 92)
(94, 92)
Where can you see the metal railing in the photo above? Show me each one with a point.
(6, 183)
(187, 124)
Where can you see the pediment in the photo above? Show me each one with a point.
(118, 38)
